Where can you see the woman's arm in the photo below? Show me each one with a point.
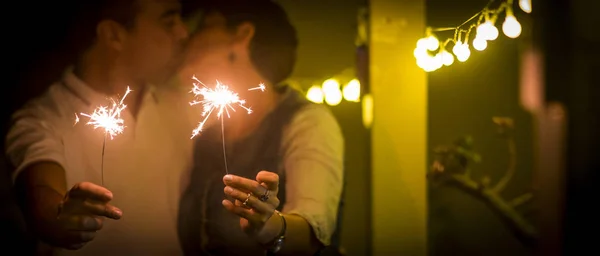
(313, 159)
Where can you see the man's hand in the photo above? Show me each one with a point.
(81, 214)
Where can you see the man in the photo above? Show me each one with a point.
(119, 43)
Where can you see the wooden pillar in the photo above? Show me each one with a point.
(399, 132)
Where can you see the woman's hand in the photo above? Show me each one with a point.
(255, 203)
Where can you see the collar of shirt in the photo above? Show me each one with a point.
(91, 97)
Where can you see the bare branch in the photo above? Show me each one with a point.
(505, 126)
(518, 225)
(512, 166)
(451, 167)
(521, 200)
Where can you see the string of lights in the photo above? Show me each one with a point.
(431, 53)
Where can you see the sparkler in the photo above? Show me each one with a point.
(220, 99)
(109, 119)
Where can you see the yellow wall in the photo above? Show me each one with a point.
(399, 133)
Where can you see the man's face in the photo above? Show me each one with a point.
(156, 37)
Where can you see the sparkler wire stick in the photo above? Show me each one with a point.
(224, 151)
(108, 119)
(102, 161)
(222, 99)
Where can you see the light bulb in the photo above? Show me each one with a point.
(419, 52)
(463, 53)
(511, 26)
(525, 5)
(479, 43)
(330, 85)
(422, 62)
(438, 61)
(493, 32)
(351, 91)
(422, 43)
(333, 97)
(429, 68)
(426, 63)
(447, 58)
(315, 94)
(487, 31)
(457, 48)
(432, 43)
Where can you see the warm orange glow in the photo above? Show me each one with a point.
(107, 118)
(219, 98)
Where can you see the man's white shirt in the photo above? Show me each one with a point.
(145, 167)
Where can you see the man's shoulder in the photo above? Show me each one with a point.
(54, 103)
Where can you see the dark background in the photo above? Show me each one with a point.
(32, 34)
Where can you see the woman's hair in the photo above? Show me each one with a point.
(273, 47)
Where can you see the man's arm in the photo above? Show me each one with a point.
(35, 150)
(41, 188)
(314, 174)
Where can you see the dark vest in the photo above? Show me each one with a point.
(205, 227)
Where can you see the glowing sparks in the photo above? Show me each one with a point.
(220, 99)
(260, 87)
(108, 118)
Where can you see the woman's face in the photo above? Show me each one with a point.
(210, 50)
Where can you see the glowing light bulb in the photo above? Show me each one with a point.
(421, 62)
(479, 43)
(525, 5)
(493, 33)
(331, 89)
(487, 31)
(423, 43)
(426, 63)
(351, 91)
(511, 26)
(457, 48)
(333, 97)
(420, 52)
(432, 43)
(438, 62)
(429, 67)
(463, 53)
(330, 85)
(315, 94)
(447, 58)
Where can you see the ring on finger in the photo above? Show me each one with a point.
(246, 202)
(264, 197)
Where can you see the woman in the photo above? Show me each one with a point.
(285, 159)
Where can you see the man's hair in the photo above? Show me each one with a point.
(273, 47)
(87, 14)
